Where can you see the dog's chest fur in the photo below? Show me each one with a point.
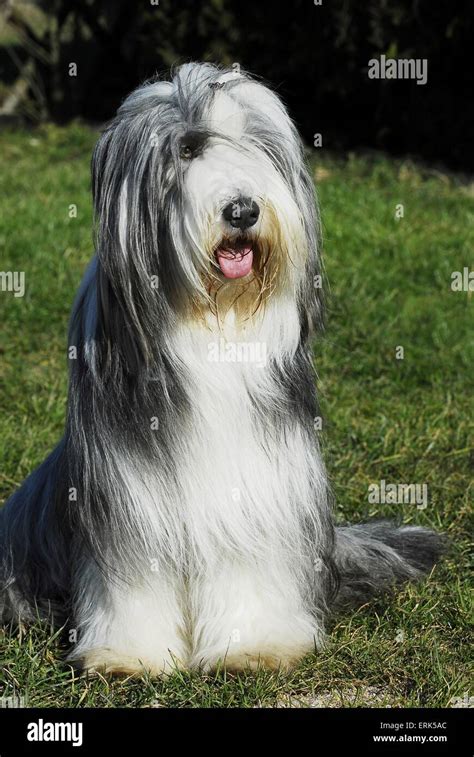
(247, 480)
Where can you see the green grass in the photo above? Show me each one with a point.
(405, 421)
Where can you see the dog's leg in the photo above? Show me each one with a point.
(245, 616)
(126, 629)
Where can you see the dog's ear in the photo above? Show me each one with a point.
(131, 304)
(119, 337)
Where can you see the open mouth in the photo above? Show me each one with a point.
(235, 258)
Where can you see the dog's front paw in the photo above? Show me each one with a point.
(268, 658)
(113, 662)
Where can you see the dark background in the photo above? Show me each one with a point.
(315, 56)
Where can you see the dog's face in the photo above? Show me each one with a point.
(240, 221)
(199, 183)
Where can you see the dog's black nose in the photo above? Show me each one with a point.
(241, 213)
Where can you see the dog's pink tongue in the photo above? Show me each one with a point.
(235, 263)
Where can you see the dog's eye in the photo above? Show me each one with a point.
(192, 144)
(186, 151)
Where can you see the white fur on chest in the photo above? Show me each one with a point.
(246, 486)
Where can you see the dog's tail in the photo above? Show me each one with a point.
(373, 557)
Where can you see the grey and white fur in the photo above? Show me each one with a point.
(185, 518)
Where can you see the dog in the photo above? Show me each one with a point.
(185, 519)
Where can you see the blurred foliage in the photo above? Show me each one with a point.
(315, 55)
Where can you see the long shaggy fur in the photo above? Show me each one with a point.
(185, 517)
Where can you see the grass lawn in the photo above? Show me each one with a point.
(404, 420)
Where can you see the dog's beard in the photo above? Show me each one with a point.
(243, 270)
(242, 276)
